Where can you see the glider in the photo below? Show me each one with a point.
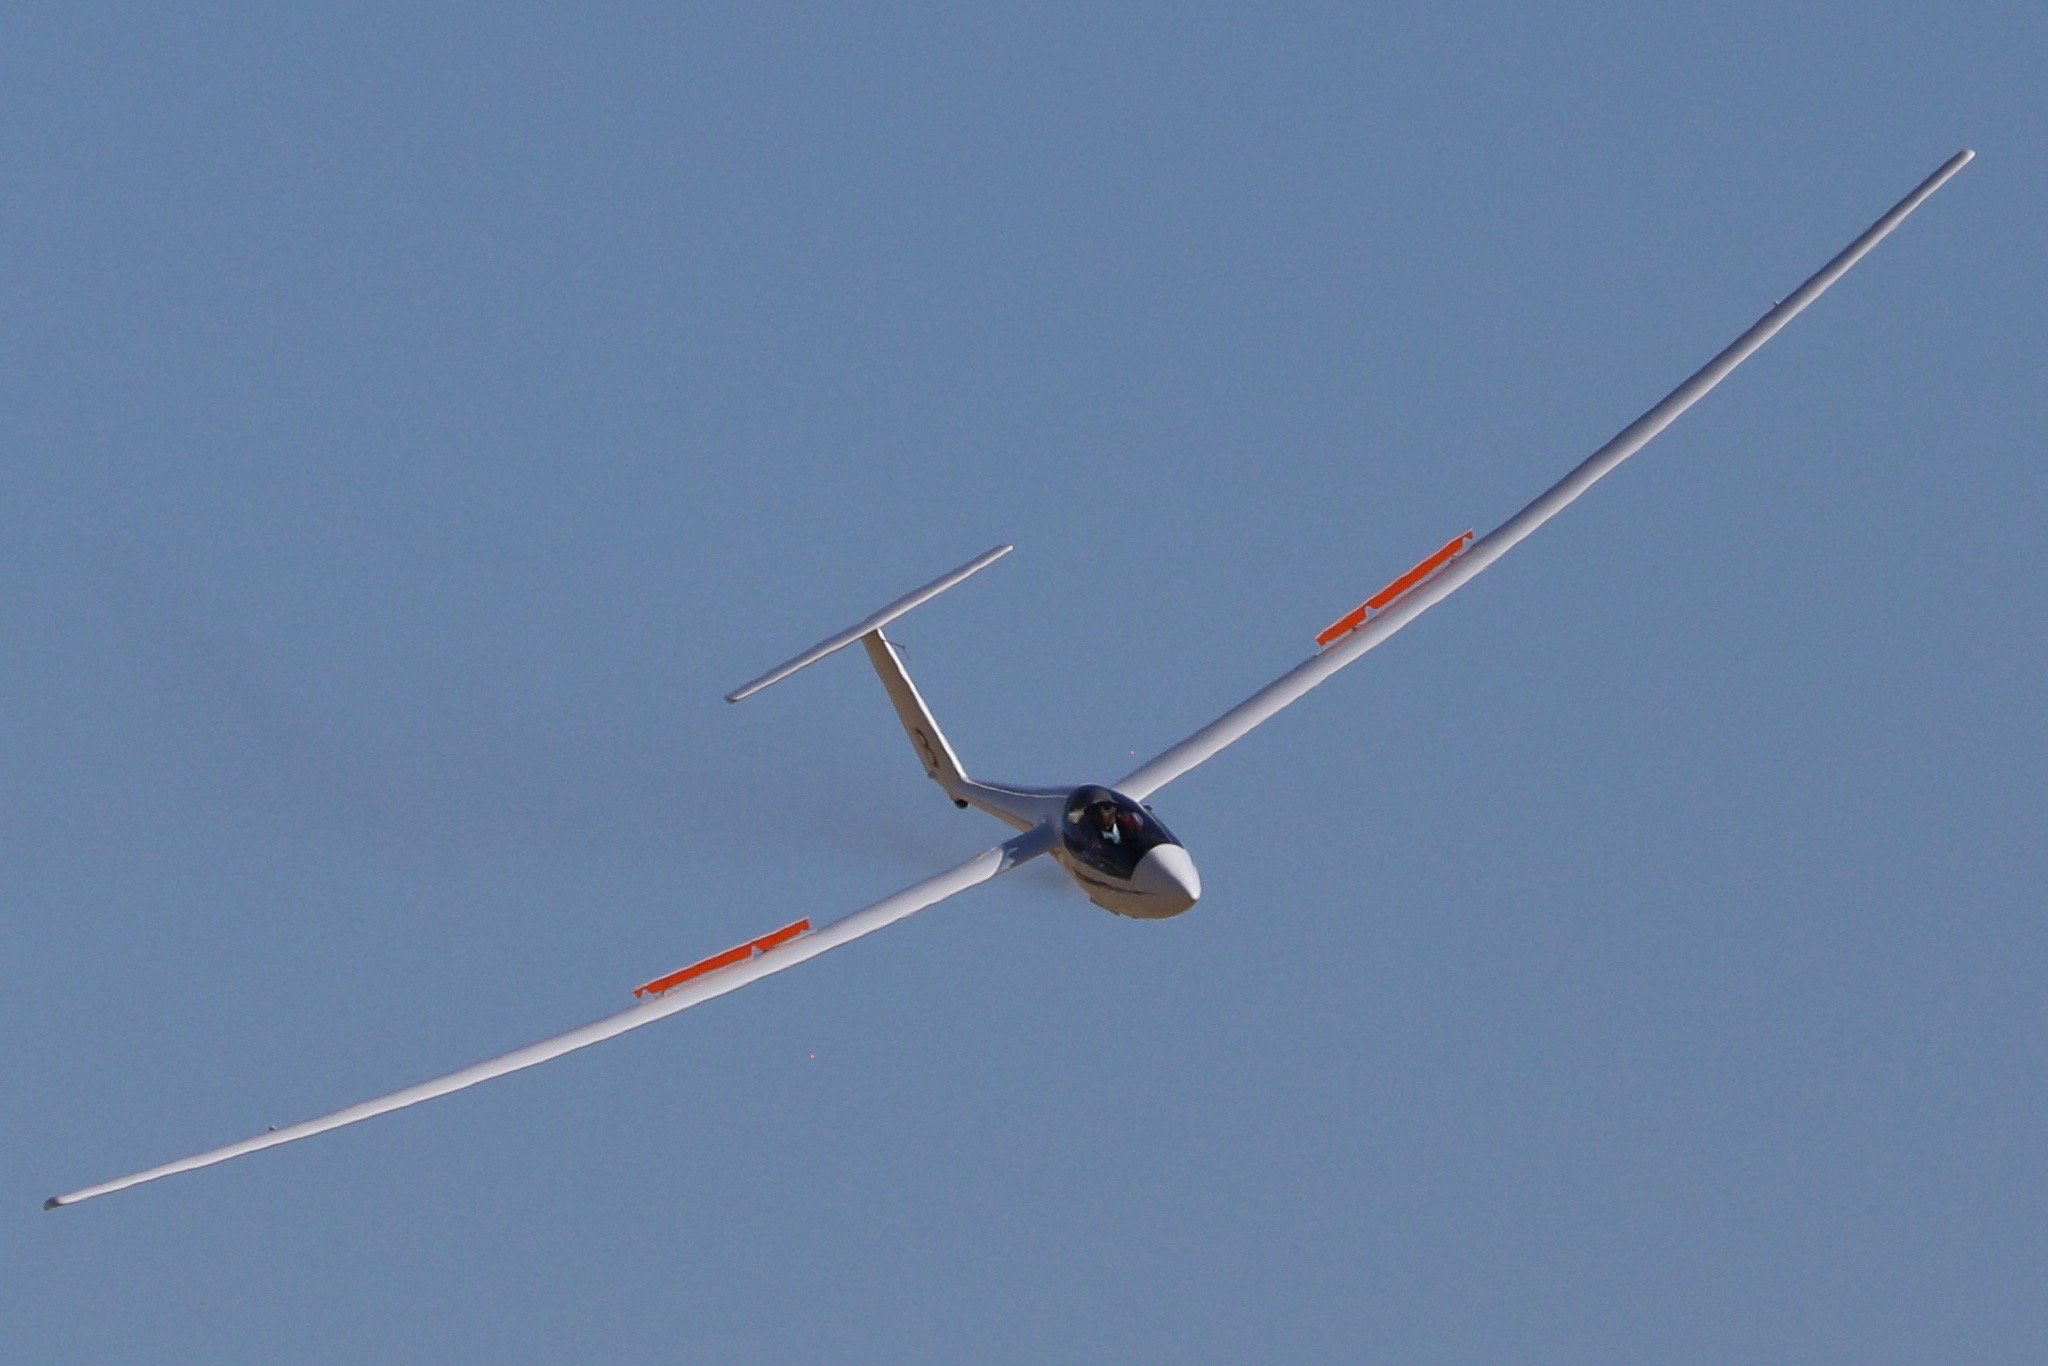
(1105, 836)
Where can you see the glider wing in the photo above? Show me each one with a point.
(1458, 567)
(786, 951)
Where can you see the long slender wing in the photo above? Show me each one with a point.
(1226, 729)
(889, 910)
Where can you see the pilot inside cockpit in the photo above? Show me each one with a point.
(1105, 818)
(1111, 833)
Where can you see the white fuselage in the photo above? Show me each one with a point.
(1124, 858)
(1164, 883)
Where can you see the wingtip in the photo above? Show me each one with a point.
(54, 1202)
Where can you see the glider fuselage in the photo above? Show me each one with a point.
(1115, 849)
(1123, 856)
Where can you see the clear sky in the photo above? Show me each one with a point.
(415, 423)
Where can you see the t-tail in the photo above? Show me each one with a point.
(1022, 807)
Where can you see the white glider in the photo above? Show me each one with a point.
(1104, 836)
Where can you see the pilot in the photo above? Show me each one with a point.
(1104, 815)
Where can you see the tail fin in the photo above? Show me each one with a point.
(933, 751)
(941, 764)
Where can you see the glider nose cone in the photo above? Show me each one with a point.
(1167, 877)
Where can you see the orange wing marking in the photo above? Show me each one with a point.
(1380, 601)
(773, 939)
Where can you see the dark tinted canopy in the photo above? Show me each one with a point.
(1109, 832)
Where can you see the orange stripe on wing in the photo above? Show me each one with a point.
(697, 969)
(1379, 601)
(772, 939)
(783, 935)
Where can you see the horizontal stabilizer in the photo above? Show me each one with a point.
(876, 622)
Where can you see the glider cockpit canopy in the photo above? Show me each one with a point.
(1109, 832)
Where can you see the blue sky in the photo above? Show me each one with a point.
(415, 423)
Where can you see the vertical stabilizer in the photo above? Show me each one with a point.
(1021, 807)
(941, 764)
